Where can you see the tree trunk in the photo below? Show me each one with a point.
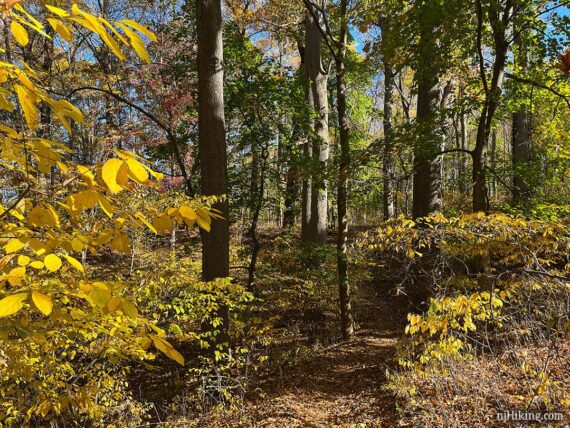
(427, 169)
(388, 164)
(290, 197)
(318, 79)
(212, 145)
(257, 189)
(499, 23)
(494, 162)
(463, 184)
(520, 155)
(347, 322)
(521, 135)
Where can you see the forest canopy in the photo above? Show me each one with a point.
(284, 213)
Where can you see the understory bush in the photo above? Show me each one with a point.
(492, 335)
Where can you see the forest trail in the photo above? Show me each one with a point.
(341, 385)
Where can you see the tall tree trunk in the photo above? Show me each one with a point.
(318, 79)
(306, 186)
(347, 322)
(499, 21)
(212, 144)
(520, 155)
(257, 189)
(427, 169)
(388, 163)
(463, 184)
(494, 162)
(306, 191)
(521, 137)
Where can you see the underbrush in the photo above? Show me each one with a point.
(493, 336)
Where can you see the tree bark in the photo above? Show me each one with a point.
(318, 79)
(388, 163)
(521, 155)
(463, 185)
(347, 322)
(521, 137)
(427, 168)
(212, 145)
(499, 21)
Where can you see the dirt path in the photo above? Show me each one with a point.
(341, 385)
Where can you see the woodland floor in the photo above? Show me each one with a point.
(342, 385)
(337, 384)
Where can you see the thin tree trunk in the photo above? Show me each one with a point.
(463, 184)
(256, 191)
(521, 138)
(388, 163)
(520, 155)
(494, 162)
(347, 322)
(499, 23)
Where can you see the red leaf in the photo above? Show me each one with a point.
(564, 62)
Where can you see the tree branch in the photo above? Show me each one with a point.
(539, 85)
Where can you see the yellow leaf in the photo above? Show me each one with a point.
(106, 206)
(141, 217)
(121, 243)
(43, 215)
(187, 212)
(13, 246)
(52, 262)
(162, 223)
(37, 264)
(23, 260)
(168, 350)
(75, 263)
(100, 296)
(114, 304)
(130, 310)
(85, 200)
(57, 11)
(16, 275)
(28, 101)
(137, 44)
(12, 304)
(204, 220)
(140, 28)
(19, 33)
(77, 244)
(137, 171)
(60, 28)
(42, 302)
(109, 173)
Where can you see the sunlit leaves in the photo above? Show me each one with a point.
(12, 304)
(110, 174)
(19, 33)
(167, 349)
(52, 262)
(13, 246)
(136, 170)
(42, 302)
(75, 263)
(140, 28)
(28, 101)
(60, 28)
(57, 11)
(43, 215)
